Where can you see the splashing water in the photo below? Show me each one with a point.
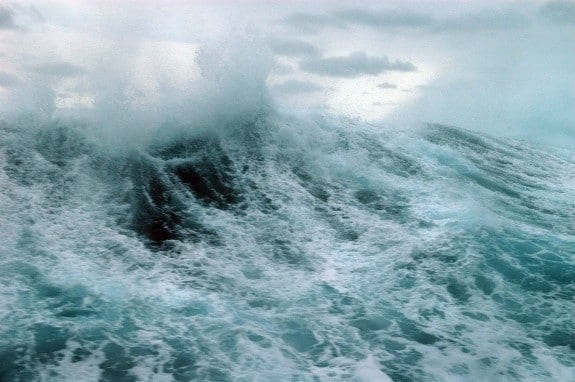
(283, 249)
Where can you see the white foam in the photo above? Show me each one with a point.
(369, 370)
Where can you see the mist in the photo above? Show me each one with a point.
(500, 67)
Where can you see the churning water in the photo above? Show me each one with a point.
(283, 249)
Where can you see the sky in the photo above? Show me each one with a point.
(502, 67)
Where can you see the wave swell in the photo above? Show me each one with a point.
(278, 248)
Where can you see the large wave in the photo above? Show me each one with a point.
(264, 247)
(246, 244)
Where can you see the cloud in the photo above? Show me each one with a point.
(385, 19)
(559, 12)
(25, 13)
(32, 12)
(354, 65)
(387, 85)
(8, 80)
(297, 87)
(406, 19)
(280, 69)
(7, 18)
(311, 22)
(481, 21)
(59, 69)
(293, 48)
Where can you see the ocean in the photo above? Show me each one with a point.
(273, 247)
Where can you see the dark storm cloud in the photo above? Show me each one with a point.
(293, 48)
(559, 12)
(8, 80)
(356, 64)
(297, 87)
(387, 85)
(59, 69)
(7, 18)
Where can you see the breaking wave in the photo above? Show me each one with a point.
(277, 248)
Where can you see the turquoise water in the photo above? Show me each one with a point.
(284, 249)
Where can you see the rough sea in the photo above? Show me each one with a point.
(283, 248)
